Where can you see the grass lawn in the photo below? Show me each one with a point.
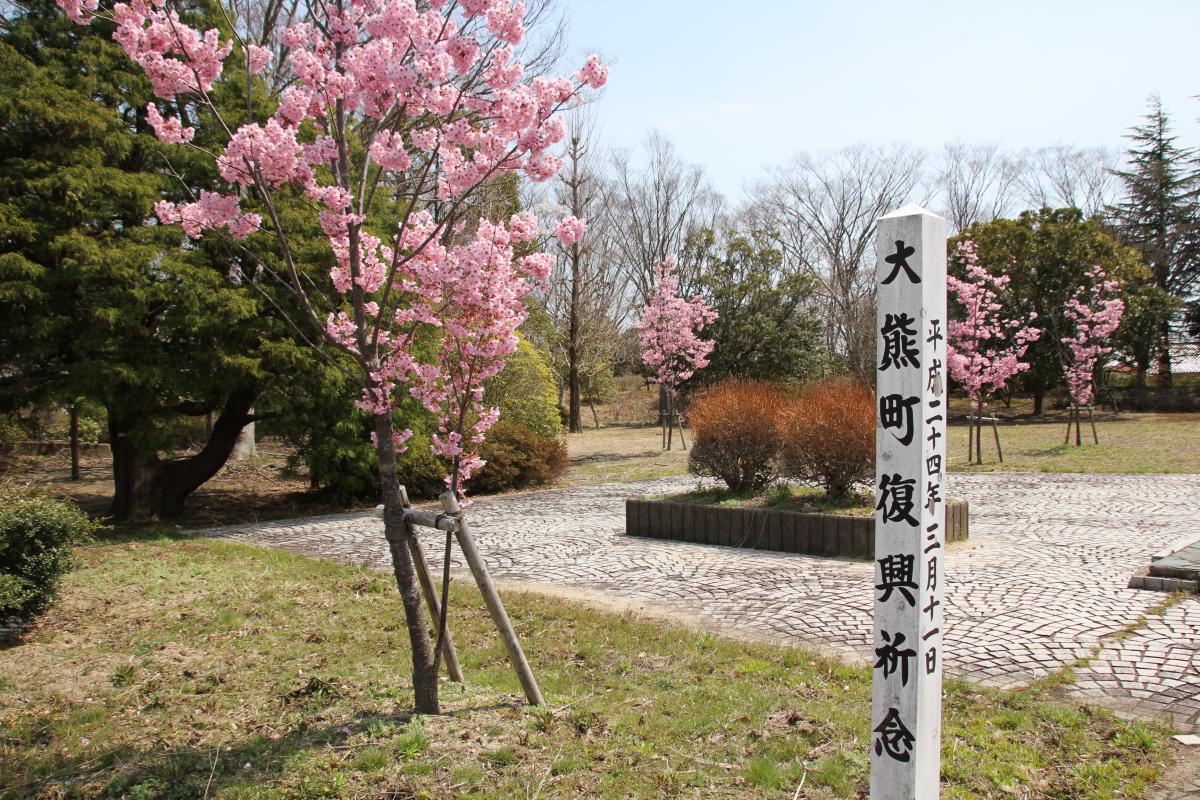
(177, 668)
(1133, 442)
(623, 453)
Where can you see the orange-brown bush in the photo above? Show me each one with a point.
(827, 432)
(735, 433)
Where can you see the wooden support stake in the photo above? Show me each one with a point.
(428, 588)
(1092, 416)
(996, 433)
(490, 596)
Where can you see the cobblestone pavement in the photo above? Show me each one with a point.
(1040, 584)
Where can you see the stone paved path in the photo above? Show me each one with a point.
(1041, 583)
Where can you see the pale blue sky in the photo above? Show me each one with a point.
(738, 86)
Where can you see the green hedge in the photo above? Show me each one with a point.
(37, 533)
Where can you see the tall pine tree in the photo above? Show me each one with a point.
(1160, 215)
(99, 301)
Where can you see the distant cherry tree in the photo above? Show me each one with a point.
(1094, 312)
(984, 346)
(669, 333)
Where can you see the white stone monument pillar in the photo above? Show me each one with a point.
(910, 512)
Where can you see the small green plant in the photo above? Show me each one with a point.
(412, 743)
(122, 675)
(370, 760)
(502, 757)
(37, 534)
(525, 391)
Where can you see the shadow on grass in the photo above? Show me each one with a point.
(255, 761)
(597, 458)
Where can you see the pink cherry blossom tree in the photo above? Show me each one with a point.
(1094, 312)
(984, 347)
(669, 334)
(423, 103)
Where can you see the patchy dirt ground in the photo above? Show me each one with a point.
(258, 488)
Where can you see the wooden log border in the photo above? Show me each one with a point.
(828, 535)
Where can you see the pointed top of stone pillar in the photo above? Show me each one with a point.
(909, 210)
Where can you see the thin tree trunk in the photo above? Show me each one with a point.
(574, 418)
(1164, 356)
(424, 676)
(75, 441)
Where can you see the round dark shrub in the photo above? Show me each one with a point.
(828, 435)
(735, 434)
(517, 457)
(37, 532)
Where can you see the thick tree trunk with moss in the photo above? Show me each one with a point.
(424, 674)
(147, 486)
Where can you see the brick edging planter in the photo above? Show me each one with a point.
(768, 528)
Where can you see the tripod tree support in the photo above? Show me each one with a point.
(491, 597)
(975, 438)
(1075, 417)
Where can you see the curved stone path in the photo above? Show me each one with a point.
(1040, 584)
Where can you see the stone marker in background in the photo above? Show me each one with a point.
(245, 447)
(910, 513)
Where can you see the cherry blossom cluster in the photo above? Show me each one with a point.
(470, 294)
(1095, 313)
(669, 331)
(984, 348)
(423, 94)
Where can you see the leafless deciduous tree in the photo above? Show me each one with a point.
(822, 209)
(587, 298)
(654, 209)
(1063, 176)
(977, 183)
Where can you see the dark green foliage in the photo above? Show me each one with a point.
(1139, 338)
(333, 437)
(37, 532)
(100, 302)
(1160, 218)
(1191, 318)
(767, 326)
(525, 391)
(517, 458)
(1047, 254)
